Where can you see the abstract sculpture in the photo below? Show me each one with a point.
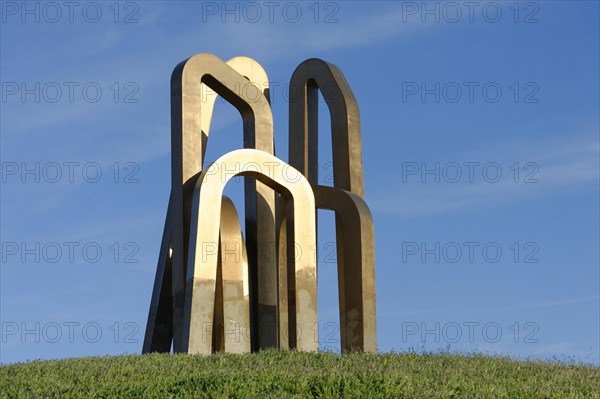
(201, 292)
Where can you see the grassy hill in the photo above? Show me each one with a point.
(284, 374)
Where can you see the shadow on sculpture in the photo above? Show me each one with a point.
(215, 291)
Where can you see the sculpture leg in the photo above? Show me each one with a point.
(159, 328)
(234, 281)
(283, 320)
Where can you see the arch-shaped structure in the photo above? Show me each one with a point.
(356, 253)
(203, 264)
(263, 275)
(188, 144)
(310, 77)
(356, 295)
(252, 292)
(191, 111)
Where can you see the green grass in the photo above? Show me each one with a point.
(285, 374)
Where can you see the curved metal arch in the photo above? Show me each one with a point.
(356, 252)
(263, 278)
(357, 304)
(356, 273)
(188, 144)
(309, 77)
(187, 105)
(202, 267)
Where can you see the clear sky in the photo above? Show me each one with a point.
(480, 131)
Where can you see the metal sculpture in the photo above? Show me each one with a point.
(354, 224)
(204, 290)
(202, 269)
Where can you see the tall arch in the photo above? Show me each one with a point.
(310, 77)
(263, 276)
(188, 142)
(202, 266)
(356, 270)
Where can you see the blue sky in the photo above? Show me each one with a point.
(480, 130)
